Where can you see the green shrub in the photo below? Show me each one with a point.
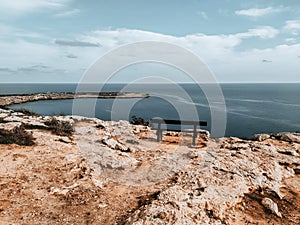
(16, 136)
(62, 128)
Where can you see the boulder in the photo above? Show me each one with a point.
(297, 170)
(9, 126)
(261, 137)
(289, 137)
(113, 144)
(272, 206)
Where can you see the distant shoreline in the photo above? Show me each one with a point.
(12, 99)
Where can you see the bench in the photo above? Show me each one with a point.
(161, 122)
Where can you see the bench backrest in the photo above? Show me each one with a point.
(178, 122)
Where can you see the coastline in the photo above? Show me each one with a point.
(6, 100)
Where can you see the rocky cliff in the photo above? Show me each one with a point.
(116, 173)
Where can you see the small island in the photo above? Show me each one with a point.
(6, 100)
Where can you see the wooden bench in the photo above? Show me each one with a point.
(161, 122)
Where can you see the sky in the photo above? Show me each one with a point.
(239, 40)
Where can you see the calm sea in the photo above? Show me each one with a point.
(250, 108)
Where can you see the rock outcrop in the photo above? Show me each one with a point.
(111, 172)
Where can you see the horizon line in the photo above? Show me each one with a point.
(298, 82)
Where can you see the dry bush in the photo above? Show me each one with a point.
(138, 121)
(16, 136)
(62, 128)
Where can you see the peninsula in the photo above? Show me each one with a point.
(6, 100)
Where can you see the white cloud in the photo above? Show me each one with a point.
(257, 12)
(203, 15)
(208, 45)
(218, 51)
(292, 26)
(75, 43)
(72, 12)
(71, 56)
(291, 40)
(264, 32)
(22, 59)
(22, 7)
(11, 32)
(285, 65)
(211, 44)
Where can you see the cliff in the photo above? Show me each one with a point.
(107, 172)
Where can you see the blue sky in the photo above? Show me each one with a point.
(241, 41)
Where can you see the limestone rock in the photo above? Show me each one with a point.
(9, 126)
(62, 191)
(140, 128)
(113, 144)
(289, 137)
(272, 206)
(297, 170)
(261, 137)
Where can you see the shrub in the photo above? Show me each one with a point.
(62, 128)
(138, 121)
(16, 136)
(2, 120)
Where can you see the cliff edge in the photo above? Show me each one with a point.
(107, 172)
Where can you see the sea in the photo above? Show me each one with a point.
(249, 108)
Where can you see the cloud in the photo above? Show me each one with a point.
(26, 69)
(266, 61)
(264, 32)
(292, 26)
(76, 43)
(71, 56)
(220, 52)
(203, 15)
(68, 13)
(213, 43)
(258, 12)
(4, 69)
(11, 32)
(33, 68)
(28, 6)
(37, 68)
(291, 40)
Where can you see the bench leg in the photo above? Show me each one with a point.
(194, 136)
(159, 133)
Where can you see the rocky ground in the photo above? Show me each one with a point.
(116, 173)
